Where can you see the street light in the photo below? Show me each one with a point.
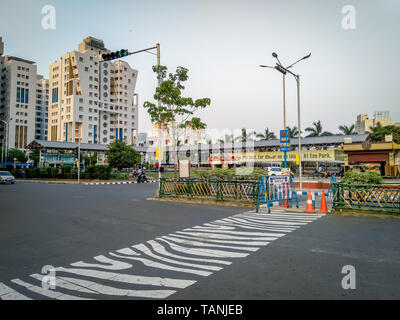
(284, 71)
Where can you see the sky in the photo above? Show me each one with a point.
(223, 42)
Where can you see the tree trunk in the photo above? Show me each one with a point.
(176, 165)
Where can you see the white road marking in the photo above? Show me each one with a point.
(205, 248)
(114, 264)
(161, 249)
(47, 293)
(132, 279)
(204, 244)
(159, 265)
(111, 291)
(147, 251)
(60, 283)
(7, 293)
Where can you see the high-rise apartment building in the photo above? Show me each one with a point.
(91, 100)
(18, 101)
(42, 103)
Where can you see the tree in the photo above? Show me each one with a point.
(174, 111)
(347, 130)
(246, 136)
(35, 157)
(316, 130)
(17, 154)
(120, 155)
(293, 132)
(267, 135)
(378, 133)
(227, 139)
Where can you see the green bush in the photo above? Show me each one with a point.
(102, 172)
(369, 177)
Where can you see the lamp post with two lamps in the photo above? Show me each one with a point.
(284, 71)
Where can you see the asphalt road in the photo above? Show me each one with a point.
(57, 225)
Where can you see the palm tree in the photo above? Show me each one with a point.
(316, 130)
(293, 132)
(267, 135)
(245, 136)
(227, 139)
(347, 130)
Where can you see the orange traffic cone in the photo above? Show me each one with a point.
(324, 208)
(309, 207)
(286, 202)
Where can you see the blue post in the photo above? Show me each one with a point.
(285, 159)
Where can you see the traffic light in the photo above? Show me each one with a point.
(115, 55)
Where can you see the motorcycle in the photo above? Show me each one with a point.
(142, 178)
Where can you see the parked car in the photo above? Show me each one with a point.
(273, 171)
(6, 177)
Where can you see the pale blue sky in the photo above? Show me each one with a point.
(223, 42)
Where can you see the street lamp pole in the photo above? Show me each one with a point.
(284, 70)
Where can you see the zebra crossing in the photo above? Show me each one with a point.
(158, 268)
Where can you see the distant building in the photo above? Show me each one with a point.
(42, 103)
(187, 136)
(92, 101)
(364, 124)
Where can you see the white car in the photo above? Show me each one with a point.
(6, 177)
(273, 171)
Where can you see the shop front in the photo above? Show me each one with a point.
(380, 157)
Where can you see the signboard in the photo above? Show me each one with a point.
(286, 171)
(276, 156)
(346, 159)
(285, 141)
(184, 169)
(278, 180)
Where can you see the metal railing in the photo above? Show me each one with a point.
(245, 190)
(384, 197)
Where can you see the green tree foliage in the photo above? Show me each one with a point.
(347, 130)
(120, 155)
(174, 111)
(293, 131)
(245, 136)
(378, 133)
(369, 177)
(267, 135)
(34, 156)
(16, 154)
(227, 139)
(316, 130)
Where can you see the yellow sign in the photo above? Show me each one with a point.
(162, 153)
(307, 155)
(346, 159)
(297, 160)
(77, 164)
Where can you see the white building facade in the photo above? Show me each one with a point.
(20, 92)
(90, 100)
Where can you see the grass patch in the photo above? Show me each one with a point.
(366, 213)
(208, 201)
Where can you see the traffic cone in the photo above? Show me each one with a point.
(324, 208)
(309, 207)
(286, 202)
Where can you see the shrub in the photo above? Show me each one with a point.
(369, 177)
(102, 172)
